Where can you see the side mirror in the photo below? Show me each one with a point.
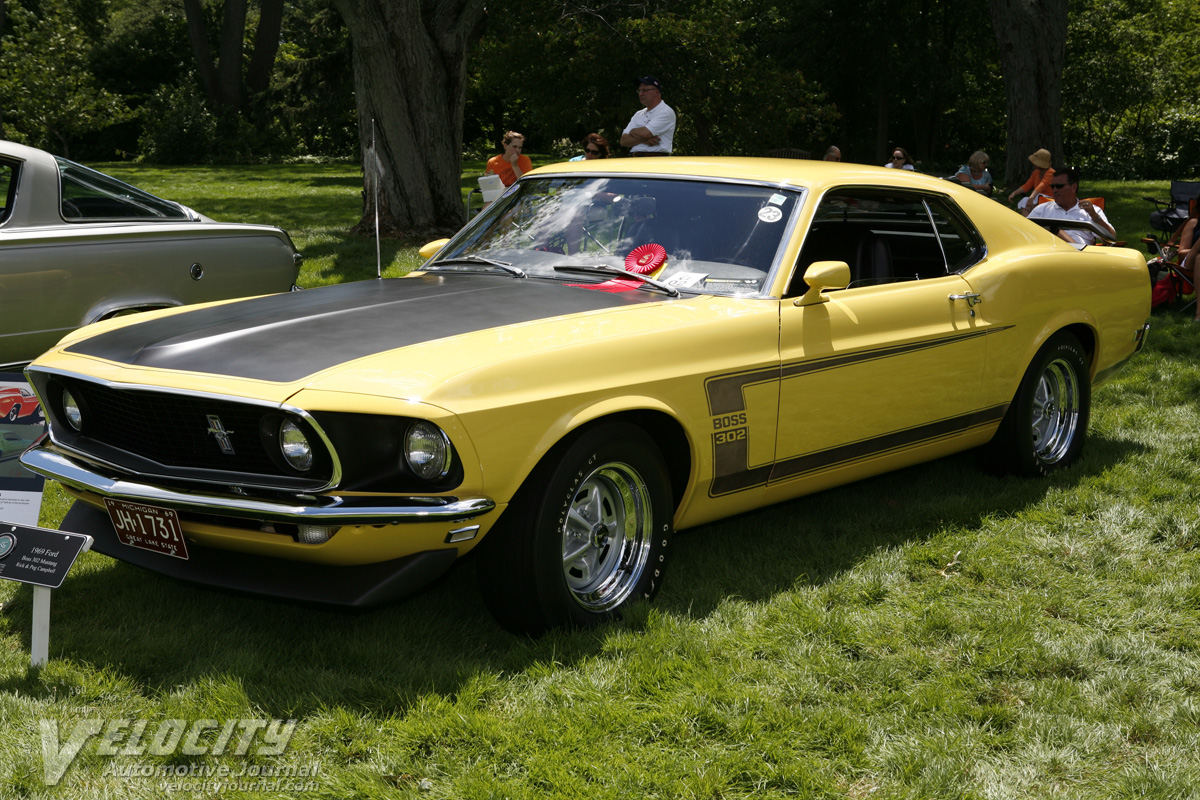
(430, 250)
(822, 275)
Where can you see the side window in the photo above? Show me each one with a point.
(960, 241)
(8, 188)
(884, 235)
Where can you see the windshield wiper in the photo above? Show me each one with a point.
(604, 269)
(491, 262)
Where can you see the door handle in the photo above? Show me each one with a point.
(972, 298)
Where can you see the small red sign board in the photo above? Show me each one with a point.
(147, 527)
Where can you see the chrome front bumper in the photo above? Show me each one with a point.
(73, 472)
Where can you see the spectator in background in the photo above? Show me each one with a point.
(1068, 206)
(511, 164)
(1189, 234)
(900, 159)
(1038, 183)
(651, 129)
(594, 146)
(833, 153)
(975, 173)
(1188, 267)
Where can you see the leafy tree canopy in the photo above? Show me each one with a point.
(558, 70)
(48, 93)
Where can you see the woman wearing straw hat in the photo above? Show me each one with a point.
(1038, 183)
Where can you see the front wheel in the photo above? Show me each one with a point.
(1045, 427)
(586, 535)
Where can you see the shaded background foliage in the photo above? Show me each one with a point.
(104, 79)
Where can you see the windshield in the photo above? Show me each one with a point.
(87, 194)
(697, 236)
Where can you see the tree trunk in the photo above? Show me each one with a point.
(198, 36)
(1032, 36)
(224, 87)
(266, 46)
(410, 74)
(229, 54)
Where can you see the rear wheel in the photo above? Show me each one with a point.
(1045, 427)
(586, 535)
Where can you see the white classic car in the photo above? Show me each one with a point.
(77, 246)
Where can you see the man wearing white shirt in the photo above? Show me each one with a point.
(1068, 206)
(650, 130)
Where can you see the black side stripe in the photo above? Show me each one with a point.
(729, 479)
(725, 395)
(860, 356)
(854, 452)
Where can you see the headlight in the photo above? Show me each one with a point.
(71, 410)
(295, 446)
(427, 451)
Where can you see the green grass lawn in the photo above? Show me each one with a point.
(933, 633)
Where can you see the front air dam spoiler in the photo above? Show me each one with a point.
(351, 587)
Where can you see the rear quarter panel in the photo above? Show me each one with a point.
(1037, 285)
(56, 280)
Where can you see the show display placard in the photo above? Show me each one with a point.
(38, 556)
(22, 423)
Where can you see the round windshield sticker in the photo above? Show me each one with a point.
(770, 214)
(7, 542)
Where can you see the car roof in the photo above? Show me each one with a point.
(801, 173)
(37, 187)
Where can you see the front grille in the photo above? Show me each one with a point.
(129, 427)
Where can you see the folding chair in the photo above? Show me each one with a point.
(490, 187)
(1169, 215)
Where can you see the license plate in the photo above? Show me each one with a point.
(147, 527)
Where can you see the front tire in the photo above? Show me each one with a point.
(586, 535)
(1044, 429)
(13, 413)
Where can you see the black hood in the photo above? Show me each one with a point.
(287, 337)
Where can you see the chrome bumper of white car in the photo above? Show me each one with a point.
(46, 459)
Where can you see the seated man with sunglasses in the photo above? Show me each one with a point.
(1068, 206)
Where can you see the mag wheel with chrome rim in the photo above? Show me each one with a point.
(1045, 427)
(586, 535)
(606, 536)
(1054, 419)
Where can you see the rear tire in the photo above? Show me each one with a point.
(1045, 426)
(586, 535)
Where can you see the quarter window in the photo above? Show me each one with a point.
(87, 194)
(8, 188)
(960, 241)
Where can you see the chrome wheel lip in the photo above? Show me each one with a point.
(606, 536)
(1055, 417)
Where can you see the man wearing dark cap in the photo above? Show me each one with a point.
(650, 131)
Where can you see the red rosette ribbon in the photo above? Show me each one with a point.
(645, 259)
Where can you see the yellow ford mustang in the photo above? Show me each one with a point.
(611, 351)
